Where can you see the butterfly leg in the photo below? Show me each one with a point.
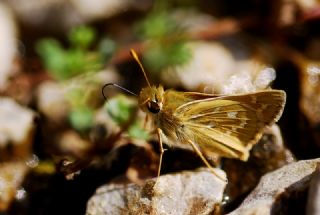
(159, 133)
(146, 119)
(196, 149)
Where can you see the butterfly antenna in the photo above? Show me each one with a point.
(118, 86)
(136, 58)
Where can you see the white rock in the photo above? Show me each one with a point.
(184, 193)
(16, 122)
(247, 78)
(52, 98)
(11, 177)
(44, 13)
(71, 13)
(51, 101)
(213, 66)
(92, 9)
(264, 78)
(260, 201)
(8, 44)
(313, 206)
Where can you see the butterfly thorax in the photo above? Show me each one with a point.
(160, 105)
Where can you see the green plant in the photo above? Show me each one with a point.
(76, 66)
(81, 118)
(64, 64)
(120, 108)
(167, 40)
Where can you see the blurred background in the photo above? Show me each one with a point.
(60, 139)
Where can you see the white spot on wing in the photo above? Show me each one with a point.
(232, 115)
(211, 125)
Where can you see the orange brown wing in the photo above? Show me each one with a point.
(230, 125)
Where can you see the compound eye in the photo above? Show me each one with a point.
(153, 107)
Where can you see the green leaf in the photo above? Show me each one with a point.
(64, 64)
(157, 25)
(106, 48)
(155, 58)
(81, 118)
(179, 53)
(160, 56)
(53, 57)
(75, 97)
(136, 131)
(119, 108)
(82, 37)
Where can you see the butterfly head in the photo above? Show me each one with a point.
(151, 99)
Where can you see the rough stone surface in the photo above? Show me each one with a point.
(16, 128)
(99, 8)
(290, 178)
(11, 177)
(185, 193)
(71, 13)
(313, 206)
(310, 89)
(307, 141)
(51, 101)
(52, 97)
(267, 155)
(12, 118)
(220, 72)
(8, 44)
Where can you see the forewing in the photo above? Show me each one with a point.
(230, 125)
(174, 99)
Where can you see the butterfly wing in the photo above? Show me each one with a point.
(230, 125)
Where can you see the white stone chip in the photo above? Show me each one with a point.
(187, 192)
(8, 44)
(16, 122)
